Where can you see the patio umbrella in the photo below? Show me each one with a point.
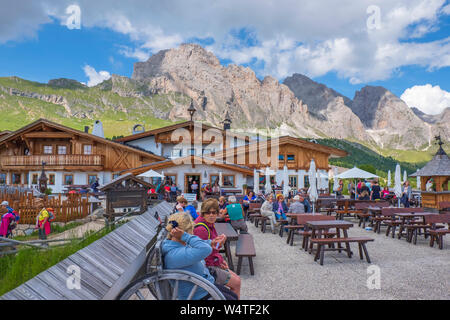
(286, 181)
(255, 181)
(151, 174)
(398, 183)
(336, 180)
(267, 186)
(312, 191)
(405, 176)
(356, 173)
(418, 188)
(389, 178)
(220, 178)
(418, 181)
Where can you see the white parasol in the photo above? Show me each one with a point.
(312, 191)
(398, 183)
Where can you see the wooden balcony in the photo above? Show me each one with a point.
(72, 160)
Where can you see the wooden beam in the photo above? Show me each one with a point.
(45, 134)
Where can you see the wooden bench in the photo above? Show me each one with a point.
(388, 218)
(436, 232)
(245, 247)
(324, 241)
(362, 213)
(301, 221)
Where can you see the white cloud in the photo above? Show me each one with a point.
(310, 37)
(426, 98)
(94, 76)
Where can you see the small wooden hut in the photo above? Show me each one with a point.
(126, 191)
(438, 169)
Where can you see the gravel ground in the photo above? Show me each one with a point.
(284, 272)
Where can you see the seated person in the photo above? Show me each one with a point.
(205, 229)
(235, 213)
(280, 208)
(306, 203)
(185, 251)
(222, 209)
(192, 209)
(385, 193)
(250, 197)
(296, 206)
(216, 187)
(267, 211)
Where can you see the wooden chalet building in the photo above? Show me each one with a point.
(71, 157)
(194, 151)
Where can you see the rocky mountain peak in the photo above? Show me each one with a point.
(66, 83)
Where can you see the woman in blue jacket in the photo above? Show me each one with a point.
(183, 250)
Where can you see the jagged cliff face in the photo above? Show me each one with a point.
(389, 120)
(330, 109)
(251, 103)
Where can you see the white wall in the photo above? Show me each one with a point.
(181, 170)
(147, 143)
(80, 178)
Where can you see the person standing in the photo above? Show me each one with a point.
(375, 193)
(406, 195)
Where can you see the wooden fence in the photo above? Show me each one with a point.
(68, 208)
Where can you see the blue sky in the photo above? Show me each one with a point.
(340, 56)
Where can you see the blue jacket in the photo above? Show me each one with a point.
(190, 258)
(192, 211)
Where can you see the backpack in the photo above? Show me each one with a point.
(51, 216)
(204, 226)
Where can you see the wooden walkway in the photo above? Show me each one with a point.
(107, 265)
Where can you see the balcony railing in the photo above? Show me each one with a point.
(54, 160)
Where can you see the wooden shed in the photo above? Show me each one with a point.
(437, 169)
(126, 191)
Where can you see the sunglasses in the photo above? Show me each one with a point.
(174, 223)
(211, 212)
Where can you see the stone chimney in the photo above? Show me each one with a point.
(98, 129)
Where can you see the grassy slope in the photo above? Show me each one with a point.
(95, 102)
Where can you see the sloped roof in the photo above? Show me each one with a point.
(79, 133)
(333, 152)
(168, 129)
(438, 166)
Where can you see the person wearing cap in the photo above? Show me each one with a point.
(296, 206)
(43, 219)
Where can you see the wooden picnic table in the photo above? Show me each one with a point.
(231, 234)
(318, 228)
(408, 218)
